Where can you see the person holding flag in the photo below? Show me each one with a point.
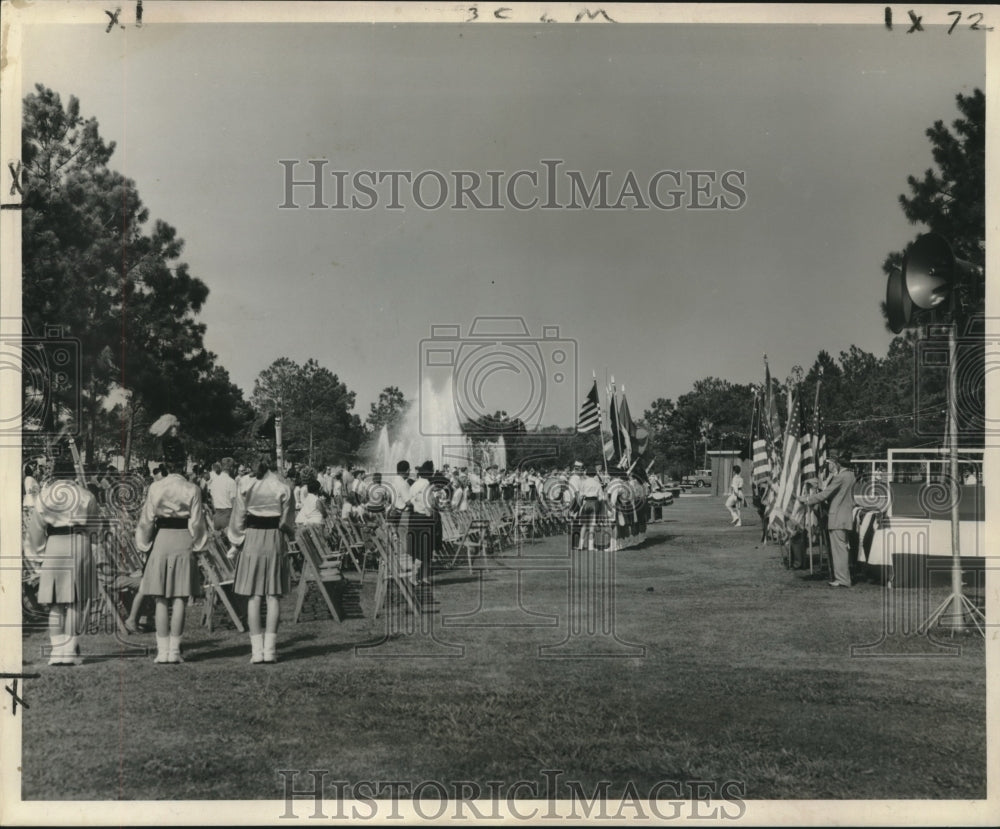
(839, 492)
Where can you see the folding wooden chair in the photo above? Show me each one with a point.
(393, 575)
(474, 537)
(352, 543)
(117, 555)
(321, 567)
(218, 573)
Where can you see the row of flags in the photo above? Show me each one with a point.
(786, 463)
(626, 445)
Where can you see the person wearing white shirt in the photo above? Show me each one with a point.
(459, 497)
(60, 523)
(421, 531)
(222, 491)
(475, 486)
(589, 498)
(263, 517)
(492, 483)
(172, 529)
(734, 501)
(31, 487)
(311, 512)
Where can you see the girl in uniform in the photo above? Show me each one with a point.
(59, 530)
(172, 528)
(263, 516)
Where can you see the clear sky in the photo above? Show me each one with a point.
(826, 122)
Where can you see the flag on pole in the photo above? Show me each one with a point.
(786, 508)
(627, 432)
(809, 477)
(761, 470)
(819, 441)
(771, 418)
(612, 448)
(589, 419)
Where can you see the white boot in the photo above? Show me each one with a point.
(57, 652)
(72, 653)
(174, 650)
(270, 641)
(162, 649)
(256, 648)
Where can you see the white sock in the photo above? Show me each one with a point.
(58, 641)
(256, 648)
(162, 648)
(270, 642)
(174, 652)
(70, 652)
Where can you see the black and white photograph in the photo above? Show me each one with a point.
(479, 413)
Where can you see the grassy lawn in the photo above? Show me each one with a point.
(745, 674)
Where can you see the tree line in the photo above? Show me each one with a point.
(98, 271)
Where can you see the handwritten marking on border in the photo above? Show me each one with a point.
(13, 690)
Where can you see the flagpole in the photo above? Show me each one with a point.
(813, 512)
(600, 420)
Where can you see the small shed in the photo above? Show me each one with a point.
(722, 462)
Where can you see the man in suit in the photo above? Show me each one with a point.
(839, 491)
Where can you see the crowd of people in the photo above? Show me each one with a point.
(256, 511)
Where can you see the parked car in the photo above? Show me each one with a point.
(700, 478)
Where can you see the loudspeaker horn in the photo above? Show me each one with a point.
(897, 302)
(931, 271)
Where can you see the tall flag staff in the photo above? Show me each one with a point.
(760, 444)
(817, 442)
(614, 445)
(773, 432)
(819, 434)
(589, 419)
(789, 482)
(627, 429)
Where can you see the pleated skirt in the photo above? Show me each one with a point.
(171, 571)
(262, 569)
(67, 575)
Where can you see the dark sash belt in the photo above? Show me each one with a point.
(66, 530)
(263, 522)
(171, 523)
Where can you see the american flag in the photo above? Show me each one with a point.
(627, 429)
(589, 419)
(819, 442)
(787, 510)
(808, 455)
(772, 420)
(761, 474)
(612, 447)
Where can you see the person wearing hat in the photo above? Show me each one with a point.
(172, 528)
(839, 491)
(58, 531)
(263, 517)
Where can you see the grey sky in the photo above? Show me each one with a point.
(826, 122)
